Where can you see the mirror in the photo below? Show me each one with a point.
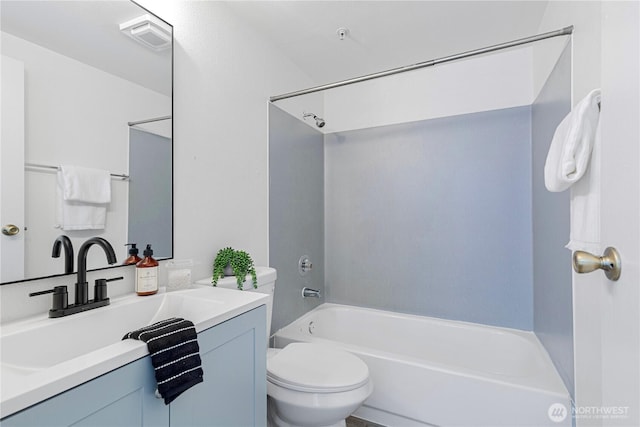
(79, 90)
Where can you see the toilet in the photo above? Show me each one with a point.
(308, 384)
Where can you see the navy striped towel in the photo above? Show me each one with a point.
(175, 355)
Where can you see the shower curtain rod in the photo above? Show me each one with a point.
(563, 32)
(156, 119)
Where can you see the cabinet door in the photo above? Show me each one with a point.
(234, 390)
(124, 397)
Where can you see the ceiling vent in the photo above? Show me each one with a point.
(148, 31)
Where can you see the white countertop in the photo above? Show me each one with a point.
(42, 357)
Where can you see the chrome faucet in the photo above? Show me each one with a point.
(65, 242)
(82, 288)
(308, 292)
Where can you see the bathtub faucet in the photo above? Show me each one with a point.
(308, 292)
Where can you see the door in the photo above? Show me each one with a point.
(620, 212)
(12, 169)
(607, 333)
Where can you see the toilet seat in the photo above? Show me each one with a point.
(316, 368)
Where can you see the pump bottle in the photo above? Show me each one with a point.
(147, 274)
(133, 255)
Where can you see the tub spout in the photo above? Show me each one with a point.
(308, 292)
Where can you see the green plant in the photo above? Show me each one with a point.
(239, 261)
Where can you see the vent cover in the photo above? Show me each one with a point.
(148, 31)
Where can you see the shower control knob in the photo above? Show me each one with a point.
(304, 265)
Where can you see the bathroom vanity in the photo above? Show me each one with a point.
(231, 335)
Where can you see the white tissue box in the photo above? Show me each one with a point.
(179, 274)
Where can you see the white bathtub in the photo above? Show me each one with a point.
(429, 371)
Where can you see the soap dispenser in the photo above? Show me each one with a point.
(147, 274)
(133, 255)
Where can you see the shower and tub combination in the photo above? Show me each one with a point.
(440, 372)
(418, 227)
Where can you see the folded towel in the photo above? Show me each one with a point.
(74, 215)
(175, 355)
(570, 150)
(85, 184)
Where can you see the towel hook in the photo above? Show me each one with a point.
(584, 262)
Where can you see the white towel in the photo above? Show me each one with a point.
(570, 150)
(574, 161)
(585, 206)
(85, 184)
(82, 198)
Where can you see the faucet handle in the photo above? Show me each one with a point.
(60, 297)
(100, 288)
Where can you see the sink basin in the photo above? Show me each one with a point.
(48, 343)
(41, 357)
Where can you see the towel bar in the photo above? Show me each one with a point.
(34, 165)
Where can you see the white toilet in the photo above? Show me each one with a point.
(310, 385)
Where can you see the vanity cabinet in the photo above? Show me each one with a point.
(233, 393)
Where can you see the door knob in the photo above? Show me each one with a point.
(584, 262)
(10, 230)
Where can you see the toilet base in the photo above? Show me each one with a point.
(273, 420)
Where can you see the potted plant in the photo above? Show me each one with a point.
(236, 263)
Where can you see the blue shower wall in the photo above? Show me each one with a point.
(433, 218)
(296, 213)
(553, 300)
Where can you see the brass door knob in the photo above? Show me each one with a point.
(10, 230)
(584, 262)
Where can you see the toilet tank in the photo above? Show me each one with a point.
(266, 284)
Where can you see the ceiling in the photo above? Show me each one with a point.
(384, 34)
(381, 34)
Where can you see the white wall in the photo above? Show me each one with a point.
(493, 81)
(482, 83)
(74, 114)
(224, 73)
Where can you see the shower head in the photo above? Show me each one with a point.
(319, 121)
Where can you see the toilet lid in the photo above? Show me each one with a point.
(316, 368)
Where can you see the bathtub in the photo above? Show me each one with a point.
(429, 371)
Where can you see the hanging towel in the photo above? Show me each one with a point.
(82, 198)
(585, 206)
(570, 150)
(574, 161)
(175, 355)
(85, 184)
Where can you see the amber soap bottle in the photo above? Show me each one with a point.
(133, 255)
(147, 274)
